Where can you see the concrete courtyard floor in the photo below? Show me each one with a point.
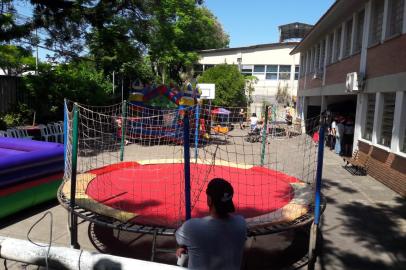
(363, 227)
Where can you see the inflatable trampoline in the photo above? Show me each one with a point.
(30, 173)
(130, 184)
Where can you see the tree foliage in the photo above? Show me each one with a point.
(14, 60)
(179, 30)
(229, 85)
(80, 82)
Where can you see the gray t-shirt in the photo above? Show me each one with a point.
(213, 243)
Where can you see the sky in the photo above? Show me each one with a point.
(250, 22)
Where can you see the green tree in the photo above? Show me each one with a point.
(229, 85)
(79, 82)
(14, 60)
(180, 28)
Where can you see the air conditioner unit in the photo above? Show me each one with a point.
(354, 82)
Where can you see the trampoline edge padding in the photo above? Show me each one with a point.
(297, 207)
(83, 200)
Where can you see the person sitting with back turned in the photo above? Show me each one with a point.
(253, 121)
(215, 241)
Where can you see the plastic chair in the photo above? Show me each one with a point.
(45, 133)
(3, 133)
(52, 131)
(23, 133)
(11, 132)
(58, 130)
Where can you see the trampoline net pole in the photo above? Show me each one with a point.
(73, 218)
(264, 137)
(186, 138)
(123, 129)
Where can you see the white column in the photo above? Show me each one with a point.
(365, 37)
(398, 124)
(377, 118)
(360, 116)
(341, 48)
(385, 20)
(404, 18)
(326, 46)
(353, 32)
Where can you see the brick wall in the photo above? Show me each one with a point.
(337, 72)
(386, 167)
(387, 58)
(301, 83)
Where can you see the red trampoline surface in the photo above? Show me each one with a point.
(155, 192)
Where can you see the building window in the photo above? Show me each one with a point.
(297, 69)
(369, 121)
(348, 37)
(246, 70)
(322, 54)
(359, 31)
(284, 72)
(377, 20)
(388, 112)
(197, 70)
(337, 45)
(259, 69)
(330, 48)
(316, 58)
(395, 17)
(271, 72)
(403, 148)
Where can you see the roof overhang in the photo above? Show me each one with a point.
(252, 47)
(341, 10)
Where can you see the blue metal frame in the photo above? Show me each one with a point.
(186, 153)
(319, 173)
(196, 131)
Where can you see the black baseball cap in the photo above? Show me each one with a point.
(221, 192)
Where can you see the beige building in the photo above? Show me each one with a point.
(271, 63)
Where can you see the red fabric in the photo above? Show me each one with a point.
(156, 191)
(30, 184)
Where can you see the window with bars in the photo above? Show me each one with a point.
(348, 36)
(297, 68)
(395, 17)
(370, 114)
(322, 54)
(403, 148)
(388, 112)
(337, 45)
(246, 70)
(316, 57)
(284, 72)
(377, 20)
(359, 31)
(271, 72)
(197, 69)
(259, 69)
(330, 48)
